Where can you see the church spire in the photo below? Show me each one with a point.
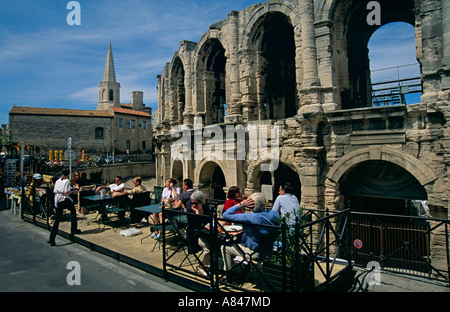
(110, 73)
(109, 89)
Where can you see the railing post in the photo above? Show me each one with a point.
(327, 243)
(164, 242)
(447, 250)
(283, 253)
(214, 257)
(295, 278)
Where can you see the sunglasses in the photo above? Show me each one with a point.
(195, 203)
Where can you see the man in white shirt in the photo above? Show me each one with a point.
(118, 186)
(62, 190)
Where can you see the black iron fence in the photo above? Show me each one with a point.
(307, 256)
(406, 244)
(316, 254)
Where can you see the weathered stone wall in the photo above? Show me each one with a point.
(333, 126)
(52, 132)
(135, 135)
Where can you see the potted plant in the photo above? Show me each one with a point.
(298, 274)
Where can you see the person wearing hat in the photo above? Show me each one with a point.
(33, 189)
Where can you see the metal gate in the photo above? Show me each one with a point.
(398, 246)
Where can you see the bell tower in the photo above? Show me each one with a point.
(108, 89)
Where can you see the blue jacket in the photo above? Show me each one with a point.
(255, 237)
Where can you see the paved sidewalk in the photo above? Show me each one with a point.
(388, 281)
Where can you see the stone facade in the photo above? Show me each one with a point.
(302, 65)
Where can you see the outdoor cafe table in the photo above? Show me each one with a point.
(98, 199)
(155, 208)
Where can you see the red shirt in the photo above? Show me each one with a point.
(230, 203)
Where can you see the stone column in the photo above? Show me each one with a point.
(160, 102)
(310, 74)
(446, 33)
(309, 93)
(234, 101)
(432, 40)
(445, 72)
(187, 47)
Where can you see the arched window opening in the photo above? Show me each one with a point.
(179, 91)
(274, 37)
(395, 71)
(212, 66)
(212, 181)
(111, 95)
(355, 82)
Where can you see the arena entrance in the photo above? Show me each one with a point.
(389, 191)
(212, 181)
(177, 171)
(280, 176)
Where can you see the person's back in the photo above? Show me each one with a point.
(287, 204)
(256, 236)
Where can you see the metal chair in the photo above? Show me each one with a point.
(139, 200)
(84, 206)
(157, 193)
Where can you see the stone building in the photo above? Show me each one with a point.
(302, 66)
(111, 127)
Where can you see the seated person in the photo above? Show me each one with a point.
(83, 180)
(170, 194)
(287, 204)
(254, 240)
(76, 177)
(184, 200)
(125, 199)
(118, 186)
(194, 225)
(234, 197)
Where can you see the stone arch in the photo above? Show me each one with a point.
(210, 73)
(177, 171)
(283, 7)
(255, 173)
(411, 164)
(177, 89)
(350, 34)
(207, 169)
(271, 37)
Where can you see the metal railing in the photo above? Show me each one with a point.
(394, 85)
(322, 247)
(307, 253)
(407, 244)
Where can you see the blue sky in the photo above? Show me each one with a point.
(44, 62)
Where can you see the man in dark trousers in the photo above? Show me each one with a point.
(62, 191)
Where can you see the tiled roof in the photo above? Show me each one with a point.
(129, 112)
(20, 110)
